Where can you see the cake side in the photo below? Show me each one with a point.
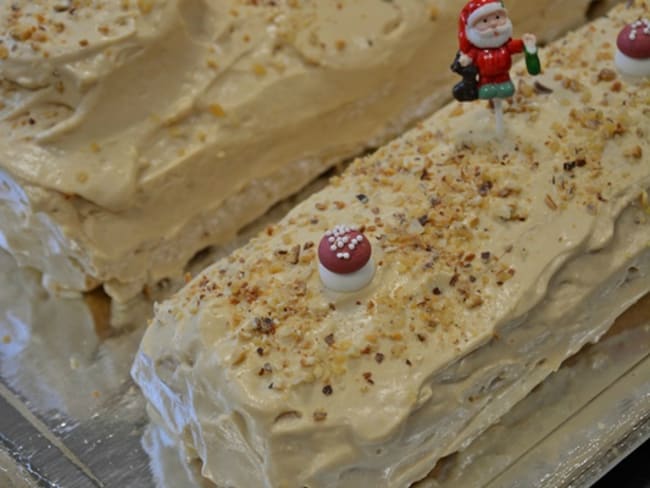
(478, 242)
(452, 408)
(128, 127)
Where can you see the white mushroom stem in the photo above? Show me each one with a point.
(631, 66)
(350, 282)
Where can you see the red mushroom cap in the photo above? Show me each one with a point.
(344, 250)
(634, 39)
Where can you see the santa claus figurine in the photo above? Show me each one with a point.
(485, 41)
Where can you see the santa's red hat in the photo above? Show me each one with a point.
(472, 11)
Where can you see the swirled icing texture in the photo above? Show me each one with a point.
(133, 133)
(497, 259)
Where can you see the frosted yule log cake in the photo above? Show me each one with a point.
(494, 260)
(135, 133)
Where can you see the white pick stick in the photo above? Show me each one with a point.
(498, 112)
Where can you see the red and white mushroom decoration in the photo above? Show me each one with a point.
(345, 259)
(633, 49)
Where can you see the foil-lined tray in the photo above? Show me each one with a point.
(70, 416)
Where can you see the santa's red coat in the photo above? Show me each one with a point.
(494, 63)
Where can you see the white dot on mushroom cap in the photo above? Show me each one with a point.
(351, 247)
(339, 244)
(359, 238)
(333, 248)
(330, 240)
(346, 255)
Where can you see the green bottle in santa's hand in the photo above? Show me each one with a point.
(533, 65)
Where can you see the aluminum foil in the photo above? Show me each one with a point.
(70, 415)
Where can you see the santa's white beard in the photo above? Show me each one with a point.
(487, 40)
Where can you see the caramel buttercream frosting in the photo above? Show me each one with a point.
(496, 260)
(135, 133)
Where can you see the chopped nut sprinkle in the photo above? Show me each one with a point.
(320, 415)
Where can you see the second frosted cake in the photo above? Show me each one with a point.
(135, 134)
